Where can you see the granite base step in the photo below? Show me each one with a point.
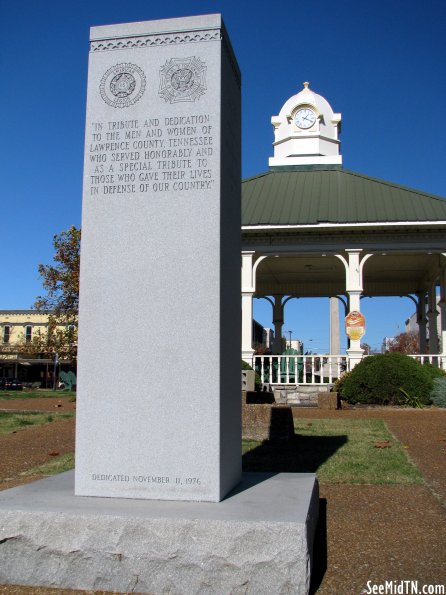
(258, 541)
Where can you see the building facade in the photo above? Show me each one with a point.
(18, 326)
(20, 332)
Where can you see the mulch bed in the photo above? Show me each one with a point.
(50, 404)
(33, 446)
(36, 445)
(365, 533)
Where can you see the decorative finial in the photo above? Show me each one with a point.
(306, 85)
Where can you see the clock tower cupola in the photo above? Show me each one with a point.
(306, 132)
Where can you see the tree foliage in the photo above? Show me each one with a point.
(61, 279)
(61, 301)
(405, 343)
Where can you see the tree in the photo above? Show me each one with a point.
(61, 302)
(405, 343)
(61, 281)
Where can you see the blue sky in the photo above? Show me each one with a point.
(381, 64)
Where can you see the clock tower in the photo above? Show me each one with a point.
(306, 132)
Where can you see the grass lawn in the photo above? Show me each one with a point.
(59, 465)
(36, 394)
(339, 451)
(11, 421)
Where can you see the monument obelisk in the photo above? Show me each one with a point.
(158, 406)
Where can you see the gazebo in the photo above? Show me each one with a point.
(313, 229)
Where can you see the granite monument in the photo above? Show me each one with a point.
(158, 410)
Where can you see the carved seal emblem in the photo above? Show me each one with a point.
(122, 85)
(182, 79)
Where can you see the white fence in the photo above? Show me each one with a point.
(316, 369)
(299, 369)
(435, 360)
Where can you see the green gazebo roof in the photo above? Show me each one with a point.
(333, 195)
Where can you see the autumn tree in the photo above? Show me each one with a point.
(61, 300)
(61, 279)
(405, 343)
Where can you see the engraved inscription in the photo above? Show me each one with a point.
(154, 154)
(146, 479)
(122, 85)
(182, 79)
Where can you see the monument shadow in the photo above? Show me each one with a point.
(299, 454)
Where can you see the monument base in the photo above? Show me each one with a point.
(258, 540)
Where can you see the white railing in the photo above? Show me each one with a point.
(316, 369)
(299, 369)
(437, 360)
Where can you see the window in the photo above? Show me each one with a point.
(6, 333)
(28, 333)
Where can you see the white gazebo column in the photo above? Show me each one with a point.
(247, 349)
(335, 339)
(355, 351)
(247, 308)
(278, 324)
(249, 268)
(442, 305)
(422, 321)
(432, 315)
(353, 272)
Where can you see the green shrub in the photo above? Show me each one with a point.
(434, 371)
(338, 385)
(438, 393)
(378, 379)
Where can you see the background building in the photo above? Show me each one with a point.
(21, 331)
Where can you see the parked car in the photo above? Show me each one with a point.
(10, 384)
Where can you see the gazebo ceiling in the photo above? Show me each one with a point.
(310, 275)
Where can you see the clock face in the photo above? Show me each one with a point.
(305, 118)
